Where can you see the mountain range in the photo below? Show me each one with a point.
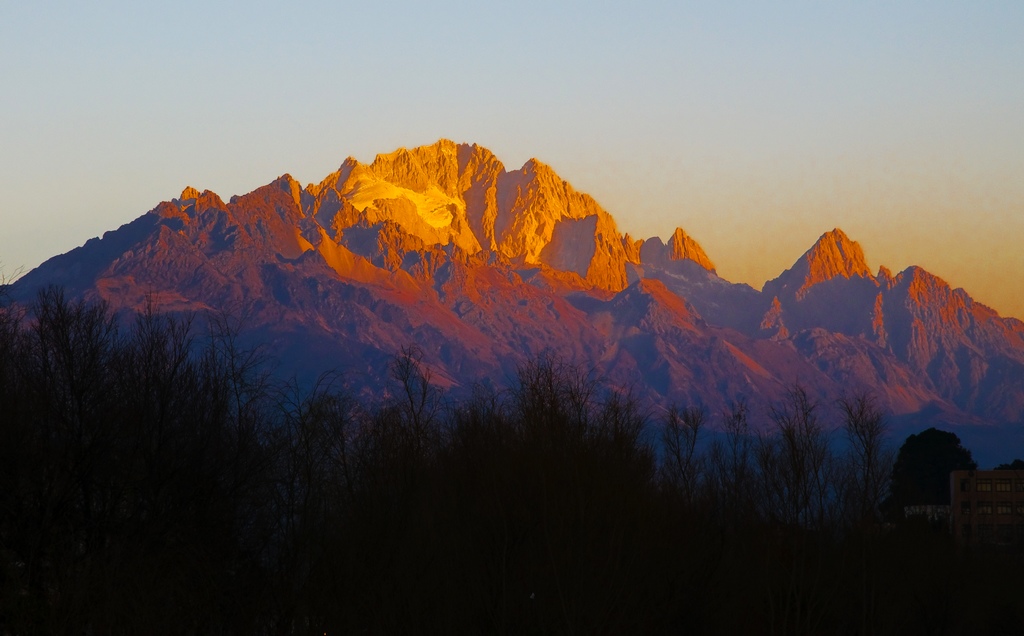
(482, 267)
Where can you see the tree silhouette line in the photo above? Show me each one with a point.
(155, 477)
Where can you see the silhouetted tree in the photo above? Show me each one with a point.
(869, 461)
(156, 478)
(682, 467)
(797, 494)
(1017, 464)
(732, 469)
(864, 482)
(796, 465)
(920, 475)
(131, 459)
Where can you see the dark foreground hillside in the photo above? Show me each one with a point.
(156, 478)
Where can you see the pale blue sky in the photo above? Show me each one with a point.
(755, 127)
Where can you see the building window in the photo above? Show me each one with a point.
(1002, 485)
(1020, 507)
(984, 485)
(965, 508)
(965, 530)
(984, 507)
(1003, 508)
(1020, 484)
(1020, 532)
(985, 531)
(965, 485)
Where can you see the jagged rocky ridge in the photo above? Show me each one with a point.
(442, 247)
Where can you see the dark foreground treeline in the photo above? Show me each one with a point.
(155, 479)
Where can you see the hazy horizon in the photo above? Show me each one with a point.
(754, 128)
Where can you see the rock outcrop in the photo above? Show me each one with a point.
(832, 256)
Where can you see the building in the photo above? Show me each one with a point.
(987, 506)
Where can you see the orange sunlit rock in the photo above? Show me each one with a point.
(833, 255)
(681, 247)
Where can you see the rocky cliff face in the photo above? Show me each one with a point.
(832, 256)
(462, 195)
(959, 349)
(481, 267)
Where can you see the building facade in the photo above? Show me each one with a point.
(987, 506)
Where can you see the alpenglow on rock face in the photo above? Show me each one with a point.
(461, 195)
(834, 255)
(482, 267)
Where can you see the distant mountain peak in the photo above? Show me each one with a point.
(884, 277)
(926, 289)
(832, 256)
(534, 164)
(835, 255)
(682, 246)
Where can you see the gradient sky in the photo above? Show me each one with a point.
(754, 126)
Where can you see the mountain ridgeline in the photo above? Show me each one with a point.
(483, 268)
